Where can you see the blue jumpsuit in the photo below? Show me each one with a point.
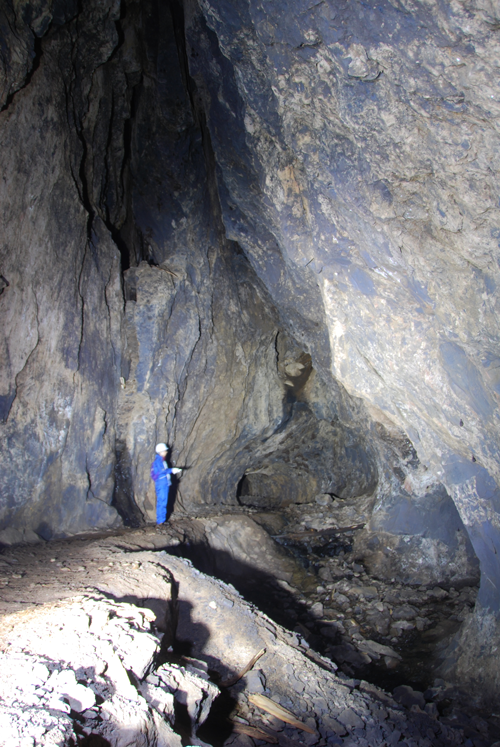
(160, 473)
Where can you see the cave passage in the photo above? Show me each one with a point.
(374, 627)
(267, 236)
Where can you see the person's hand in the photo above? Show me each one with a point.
(176, 470)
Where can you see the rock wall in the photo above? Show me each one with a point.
(128, 316)
(370, 135)
(61, 305)
(266, 234)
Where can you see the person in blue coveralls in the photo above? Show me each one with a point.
(160, 473)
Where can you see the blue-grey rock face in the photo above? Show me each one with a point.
(61, 303)
(356, 150)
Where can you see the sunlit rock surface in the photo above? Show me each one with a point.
(267, 234)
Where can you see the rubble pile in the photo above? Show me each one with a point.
(313, 579)
(141, 648)
(84, 667)
(366, 624)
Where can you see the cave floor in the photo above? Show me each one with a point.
(412, 625)
(374, 630)
(377, 629)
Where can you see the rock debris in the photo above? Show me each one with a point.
(80, 660)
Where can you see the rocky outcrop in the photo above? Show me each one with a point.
(421, 540)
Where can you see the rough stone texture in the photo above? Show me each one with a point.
(60, 571)
(267, 234)
(61, 309)
(370, 133)
(93, 657)
(197, 356)
(235, 548)
(89, 665)
(349, 614)
(420, 541)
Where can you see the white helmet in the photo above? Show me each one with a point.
(160, 448)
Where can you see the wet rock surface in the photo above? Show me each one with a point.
(93, 665)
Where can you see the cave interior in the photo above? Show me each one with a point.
(266, 234)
